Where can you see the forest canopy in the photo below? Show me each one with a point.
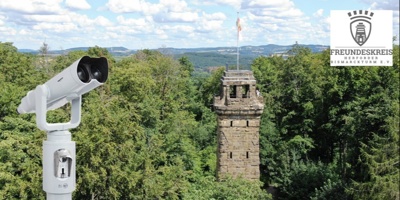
(150, 132)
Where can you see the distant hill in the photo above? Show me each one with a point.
(252, 51)
(203, 57)
(204, 60)
(116, 51)
(220, 56)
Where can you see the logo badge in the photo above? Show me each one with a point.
(360, 26)
(361, 38)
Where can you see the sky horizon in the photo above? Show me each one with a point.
(151, 24)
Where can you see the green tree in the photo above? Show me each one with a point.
(20, 159)
(186, 64)
(304, 178)
(230, 189)
(379, 157)
(153, 88)
(332, 114)
(20, 141)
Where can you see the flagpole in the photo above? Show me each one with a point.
(237, 42)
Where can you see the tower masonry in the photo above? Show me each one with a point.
(239, 107)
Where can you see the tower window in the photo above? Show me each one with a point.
(230, 154)
(247, 154)
(247, 123)
(232, 91)
(231, 123)
(245, 91)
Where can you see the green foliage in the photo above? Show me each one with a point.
(210, 87)
(303, 178)
(16, 68)
(186, 64)
(332, 190)
(314, 112)
(381, 164)
(207, 188)
(20, 141)
(20, 160)
(97, 51)
(149, 132)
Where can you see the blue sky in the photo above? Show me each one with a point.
(141, 24)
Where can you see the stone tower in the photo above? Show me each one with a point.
(239, 108)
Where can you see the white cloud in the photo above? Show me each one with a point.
(165, 11)
(32, 6)
(233, 3)
(167, 17)
(209, 26)
(181, 29)
(396, 17)
(58, 28)
(270, 27)
(113, 35)
(2, 19)
(8, 31)
(210, 22)
(274, 8)
(387, 5)
(102, 21)
(124, 30)
(152, 23)
(383, 5)
(174, 5)
(23, 32)
(248, 4)
(47, 18)
(215, 16)
(68, 23)
(123, 6)
(279, 22)
(396, 23)
(319, 13)
(134, 26)
(161, 34)
(131, 22)
(86, 23)
(77, 4)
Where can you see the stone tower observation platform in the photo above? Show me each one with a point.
(239, 107)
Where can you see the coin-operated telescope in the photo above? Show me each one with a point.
(59, 159)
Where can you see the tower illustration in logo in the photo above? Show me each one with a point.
(360, 25)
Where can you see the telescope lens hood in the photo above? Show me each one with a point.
(92, 68)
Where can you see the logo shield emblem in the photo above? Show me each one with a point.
(360, 30)
(360, 26)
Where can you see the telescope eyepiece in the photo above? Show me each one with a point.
(97, 74)
(83, 73)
